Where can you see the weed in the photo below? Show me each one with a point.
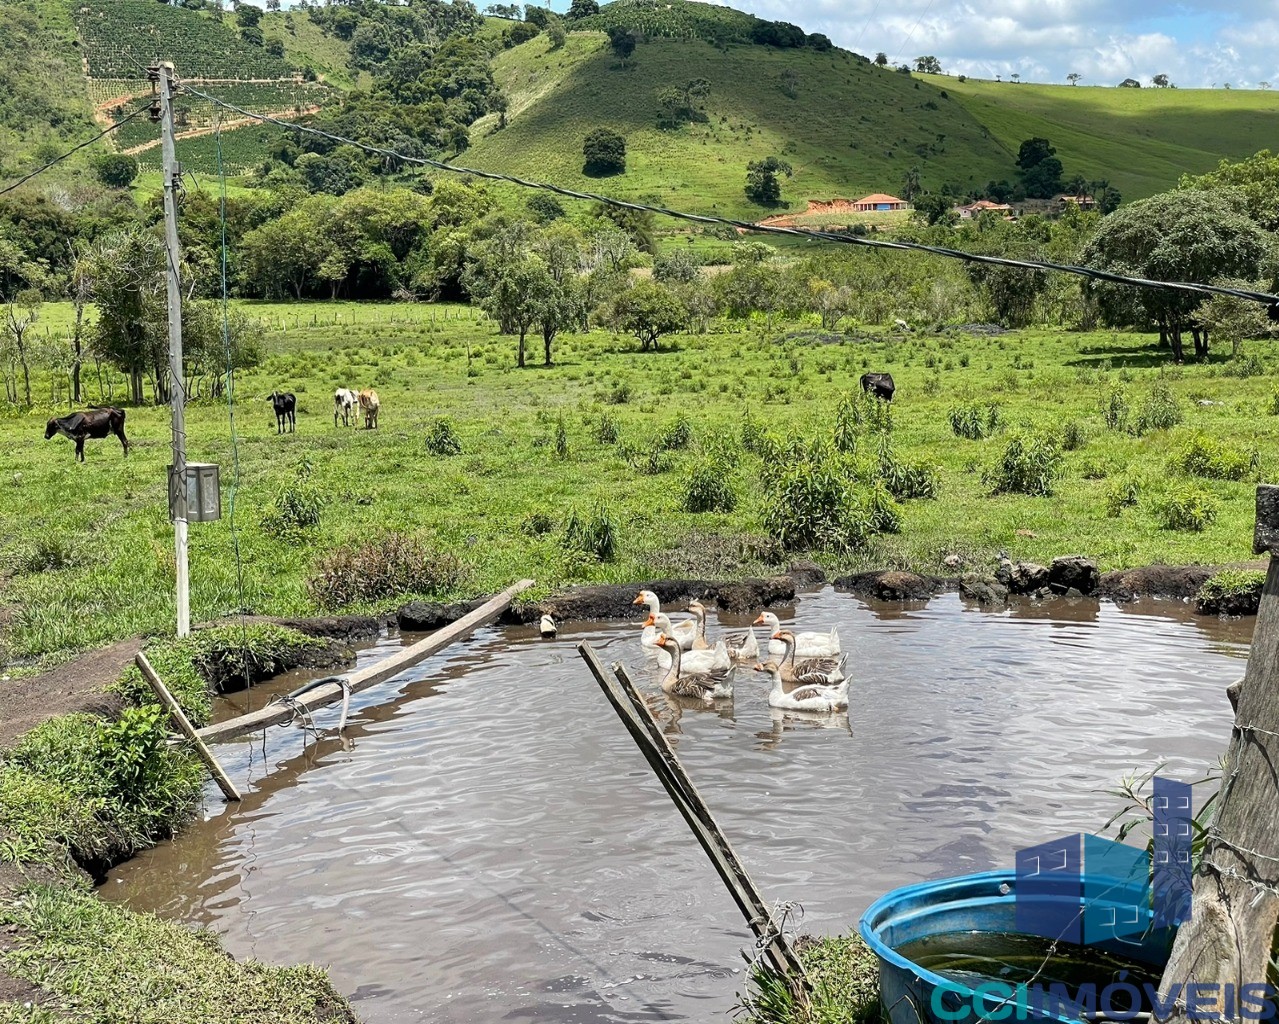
(847, 420)
(1073, 436)
(754, 433)
(1114, 407)
(709, 489)
(905, 479)
(593, 534)
(812, 504)
(975, 421)
(49, 553)
(442, 438)
(536, 524)
(1274, 404)
(1120, 495)
(1204, 456)
(295, 509)
(1232, 583)
(608, 430)
(1160, 410)
(885, 513)
(561, 439)
(395, 565)
(676, 436)
(1030, 464)
(621, 393)
(1186, 508)
(1244, 366)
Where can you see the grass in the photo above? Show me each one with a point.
(1142, 140)
(112, 570)
(845, 978)
(103, 963)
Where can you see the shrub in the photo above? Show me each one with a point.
(847, 420)
(394, 565)
(561, 438)
(905, 479)
(811, 504)
(536, 524)
(1274, 404)
(1114, 407)
(48, 554)
(1204, 456)
(608, 430)
(678, 435)
(755, 434)
(885, 513)
(1160, 411)
(1232, 582)
(708, 489)
(1244, 366)
(621, 393)
(1186, 508)
(605, 153)
(974, 421)
(593, 534)
(1073, 436)
(1120, 495)
(116, 170)
(295, 508)
(1030, 464)
(442, 438)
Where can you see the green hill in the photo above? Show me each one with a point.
(846, 127)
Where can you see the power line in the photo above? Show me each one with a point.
(911, 34)
(771, 229)
(71, 152)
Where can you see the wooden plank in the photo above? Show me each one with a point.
(366, 678)
(184, 726)
(1226, 943)
(639, 722)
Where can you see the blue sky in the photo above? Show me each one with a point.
(1198, 44)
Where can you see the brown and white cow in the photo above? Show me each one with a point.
(372, 406)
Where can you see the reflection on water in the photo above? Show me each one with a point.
(492, 845)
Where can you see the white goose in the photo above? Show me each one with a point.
(807, 645)
(703, 686)
(685, 633)
(708, 659)
(741, 646)
(805, 698)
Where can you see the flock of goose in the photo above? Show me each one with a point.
(806, 669)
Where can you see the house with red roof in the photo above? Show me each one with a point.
(878, 202)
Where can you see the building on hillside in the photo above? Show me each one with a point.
(974, 210)
(877, 202)
(1082, 201)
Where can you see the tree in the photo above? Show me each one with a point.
(1130, 83)
(115, 170)
(648, 309)
(284, 255)
(248, 16)
(1182, 235)
(20, 315)
(516, 289)
(1256, 179)
(555, 33)
(935, 207)
(881, 59)
(762, 186)
(1039, 168)
(928, 65)
(605, 153)
(1074, 77)
(273, 5)
(251, 34)
(1263, 86)
(831, 302)
(582, 9)
(1233, 318)
(1160, 81)
(910, 184)
(1015, 77)
(544, 207)
(622, 42)
(558, 309)
(638, 225)
(1105, 195)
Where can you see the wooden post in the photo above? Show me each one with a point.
(184, 726)
(639, 723)
(1235, 903)
(380, 672)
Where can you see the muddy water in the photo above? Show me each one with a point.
(490, 846)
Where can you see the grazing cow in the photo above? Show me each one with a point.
(97, 423)
(344, 403)
(880, 385)
(901, 324)
(371, 406)
(285, 404)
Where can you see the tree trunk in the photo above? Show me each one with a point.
(1178, 354)
(26, 372)
(1227, 939)
(547, 339)
(77, 352)
(520, 361)
(135, 385)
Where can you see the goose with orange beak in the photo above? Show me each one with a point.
(684, 633)
(807, 645)
(703, 686)
(708, 659)
(807, 671)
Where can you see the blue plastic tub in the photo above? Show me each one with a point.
(970, 903)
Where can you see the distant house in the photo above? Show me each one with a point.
(879, 203)
(975, 210)
(1082, 201)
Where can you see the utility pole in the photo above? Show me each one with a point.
(163, 74)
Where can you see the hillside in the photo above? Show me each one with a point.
(847, 127)
(1143, 140)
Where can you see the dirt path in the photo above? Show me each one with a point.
(78, 685)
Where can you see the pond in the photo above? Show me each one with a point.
(489, 844)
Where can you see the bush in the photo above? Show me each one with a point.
(885, 513)
(536, 524)
(295, 508)
(1030, 464)
(621, 393)
(115, 170)
(1232, 583)
(847, 420)
(754, 434)
(1244, 366)
(1114, 407)
(1120, 495)
(652, 461)
(608, 430)
(593, 534)
(1160, 411)
(1073, 436)
(1204, 456)
(1186, 508)
(677, 436)
(974, 421)
(811, 504)
(561, 438)
(395, 565)
(1274, 404)
(708, 489)
(605, 153)
(442, 438)
(905, 479)
(544, 207)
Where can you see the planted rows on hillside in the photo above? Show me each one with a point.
(122, 36)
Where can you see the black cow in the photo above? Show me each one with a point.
(97, 423)
(285, 404)
(879, 384)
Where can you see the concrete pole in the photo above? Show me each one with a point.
(177, 392)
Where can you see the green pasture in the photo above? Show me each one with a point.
(88, 548)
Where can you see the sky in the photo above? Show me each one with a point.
(1197, 44)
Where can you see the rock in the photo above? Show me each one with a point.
(1004, 571)
(891, 585)
(339, 627)
(1074, 571)
(989, 592)
(952, 561)
(428, 616)
(806, 574)
(1243, 602)
(1176, 581)
(748, 595)
(1073, 594)
(1027, 578)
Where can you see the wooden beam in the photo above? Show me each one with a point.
(184, 726)
(387, 668)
